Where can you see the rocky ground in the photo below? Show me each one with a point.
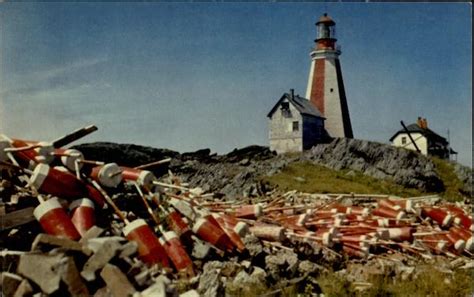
(239, 172)
(271, 243)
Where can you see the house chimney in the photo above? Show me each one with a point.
(292, 92)
(425, 123)
(419, 122)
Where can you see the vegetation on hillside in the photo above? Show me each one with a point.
(311, 178)
(429, 282)
(452, 183)
(307, 177)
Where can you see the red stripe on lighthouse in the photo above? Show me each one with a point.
(317, 89)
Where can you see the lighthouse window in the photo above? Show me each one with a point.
(331, 90)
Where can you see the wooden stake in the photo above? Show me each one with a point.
(16, 167)
(170, 186)
(110, 201)
(145, 202)
(21, 149)
(98, 163)
(167, 160)
(73, 136)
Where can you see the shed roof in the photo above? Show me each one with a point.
(428, 133)
(303, 105)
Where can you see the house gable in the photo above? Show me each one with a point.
(302, 105)
(294, 124)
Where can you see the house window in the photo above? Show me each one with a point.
(285, 109)
(296, 126)
(404, 140)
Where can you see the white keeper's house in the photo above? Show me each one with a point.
(428, 142)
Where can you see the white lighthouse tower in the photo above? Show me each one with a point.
(325, 85)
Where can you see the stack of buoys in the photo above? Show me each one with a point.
(458, 225)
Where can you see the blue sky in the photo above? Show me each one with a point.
(187, 76)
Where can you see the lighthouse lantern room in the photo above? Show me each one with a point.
(326, 33)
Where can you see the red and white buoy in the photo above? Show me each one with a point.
(177, 253)
(465, 221)
(212, 233)
(397, 234)
(249, 211)
(108, 175)
(57, 183)
(82, 214)
(90, 191)
(143, 178)
(296, 220)
(229, 230)
(69, 158)
(442, 217)
(355, 250)
(387, 203)
(268, 232)
(436, 242)
(150, 250)
(4, 143)
(239, 227)
(177, 224)
(25, 154)
(54, 219)
(389, 213)
(466, 235)
(404, 204)
(457, 241)
(355, 210)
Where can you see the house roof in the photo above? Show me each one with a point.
(428, 133)
(303, 105)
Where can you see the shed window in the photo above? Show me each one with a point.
(296, 126)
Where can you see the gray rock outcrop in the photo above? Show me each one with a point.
(407, 168)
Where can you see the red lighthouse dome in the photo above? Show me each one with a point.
(326, 33)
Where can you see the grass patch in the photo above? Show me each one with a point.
(429, 282)
(451, 181)
(310, 178)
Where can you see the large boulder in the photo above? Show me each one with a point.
(405, 167)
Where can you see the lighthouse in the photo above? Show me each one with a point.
(325, 88)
